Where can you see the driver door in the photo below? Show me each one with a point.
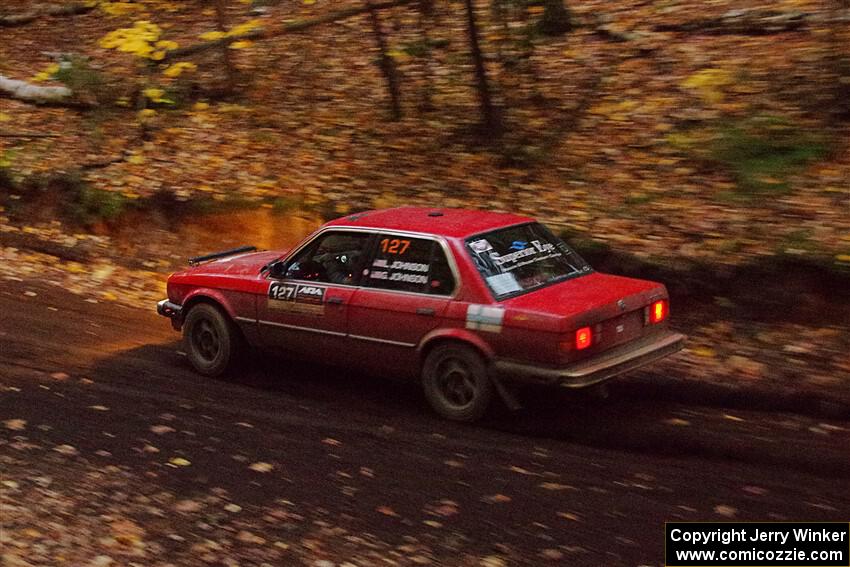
(305, 308)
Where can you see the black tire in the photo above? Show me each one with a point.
(212, 341)
(455, 381)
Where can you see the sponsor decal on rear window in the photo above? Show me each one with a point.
(520, 258)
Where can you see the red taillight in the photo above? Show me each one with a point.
(584, 337)
(658, 311)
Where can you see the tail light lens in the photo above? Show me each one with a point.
(584, 337)
(658, 311)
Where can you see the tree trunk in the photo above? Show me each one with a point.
(489, 119)
(226, 56)
(840, 60)
(426, 7)
(556, 18)
(386, 62)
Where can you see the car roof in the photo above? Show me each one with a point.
(454, 223)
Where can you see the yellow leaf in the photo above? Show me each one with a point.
(212, 35)
(731, 417)
(146, 113)
(136, 159)
(179, 462)
(241, 44)
(4, 117)
(154, 94)
(201, 106)
(178, 68)
(705, 352)
(843, 258)
(167, 44)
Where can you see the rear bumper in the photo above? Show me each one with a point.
(171, 310)
(605, 366)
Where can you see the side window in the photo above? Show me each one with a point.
(441, 281)
(409, 264)
(335, 257)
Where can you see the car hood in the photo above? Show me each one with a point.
(239, 265)
(580, 301)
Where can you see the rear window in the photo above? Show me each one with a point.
(522, 258)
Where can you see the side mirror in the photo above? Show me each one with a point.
(277, 269)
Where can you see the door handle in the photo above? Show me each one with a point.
(425, 311)
(336, 300)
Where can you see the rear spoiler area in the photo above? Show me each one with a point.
(223, 254)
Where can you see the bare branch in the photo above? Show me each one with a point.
(291, 27)
(14, 20)
(27, 135)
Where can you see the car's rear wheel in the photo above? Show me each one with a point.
(455, 381)
(212, 342)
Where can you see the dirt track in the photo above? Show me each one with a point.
(356, 466)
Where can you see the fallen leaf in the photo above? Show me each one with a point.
(15, 424)
(233, 508)
(725, 511)
(705, 352)
(555, 486)
(188, 506)
(179, 461)
(677, 421)
(331, 442)
(496, 499)
(161, 429)
(99, 408)
(261, 467)
(386, 511)
(66, 449)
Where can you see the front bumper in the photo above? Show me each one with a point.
(171, 310)
(594, 370)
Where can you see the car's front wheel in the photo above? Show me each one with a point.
(212, 342)
(455, 381)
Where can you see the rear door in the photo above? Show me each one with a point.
(405, 290)
(305, 311)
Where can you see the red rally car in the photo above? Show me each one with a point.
(466, 301)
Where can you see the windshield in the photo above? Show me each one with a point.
(522, 258)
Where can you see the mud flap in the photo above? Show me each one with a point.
(506, 393)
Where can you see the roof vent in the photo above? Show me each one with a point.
(435, 214)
